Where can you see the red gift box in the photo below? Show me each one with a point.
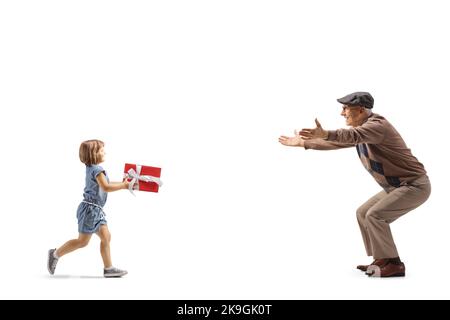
(142, 172)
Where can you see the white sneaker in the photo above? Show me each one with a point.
(51, 261)
(114, 273)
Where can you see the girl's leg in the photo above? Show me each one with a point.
(109, 271)
(105, 237)
(74, 244)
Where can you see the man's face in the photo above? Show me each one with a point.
(352, 114)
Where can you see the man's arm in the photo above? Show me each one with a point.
(370, 132)
(316, 144)
(111, 186)
(320, 144)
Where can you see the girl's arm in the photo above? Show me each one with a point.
(111, 186)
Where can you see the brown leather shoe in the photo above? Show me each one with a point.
(388, 270)
(376, 262)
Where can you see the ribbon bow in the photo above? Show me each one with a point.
(136, 177)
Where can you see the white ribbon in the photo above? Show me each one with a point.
(135, 176)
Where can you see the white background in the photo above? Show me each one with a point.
(203, 89)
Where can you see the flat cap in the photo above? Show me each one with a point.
(363, 99)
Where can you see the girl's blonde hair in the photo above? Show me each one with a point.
(89, 151)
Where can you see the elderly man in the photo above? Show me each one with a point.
(387, 158)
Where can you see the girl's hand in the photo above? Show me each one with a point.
(125, 183)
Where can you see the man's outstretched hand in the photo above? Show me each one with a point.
(295, 141)
(316, 133)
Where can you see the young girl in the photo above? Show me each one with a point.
(91, 218)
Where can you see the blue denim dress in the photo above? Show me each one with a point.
(90, 213)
